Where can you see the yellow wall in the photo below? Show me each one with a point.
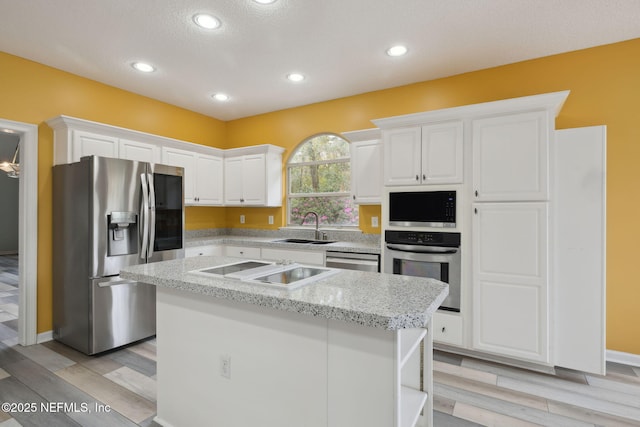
(33, 93)
(605, 89)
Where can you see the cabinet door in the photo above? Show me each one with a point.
(366, 171)
(402, 156)
(510, 157)
(233, 180)
(442, 153)
(92, 144)
(208, 180)
(510, 280)
(139, 151)
(254, 187)
(186, 160)
(580, 242)
(242, 252)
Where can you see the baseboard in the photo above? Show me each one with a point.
(44, 337)
(162, 422)
(623, 358)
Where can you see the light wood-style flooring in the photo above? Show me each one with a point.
(468, 391)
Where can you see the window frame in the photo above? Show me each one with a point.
(289, 165)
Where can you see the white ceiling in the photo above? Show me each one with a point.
(338, 44)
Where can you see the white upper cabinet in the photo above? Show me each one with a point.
(202, 175)
(510, 280)
(430, 154)
(92, 144)
(365, 150)
(442, 146)
(209, 180)
(139, 151)
(510, 157)
(253, 176)
(366, 171)
(402, 156)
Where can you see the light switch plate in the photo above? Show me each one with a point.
(270, 219)
(374, 222)
(241, 219)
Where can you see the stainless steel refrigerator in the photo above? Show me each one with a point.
(108, 214)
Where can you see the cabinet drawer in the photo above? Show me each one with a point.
(203, 250)
(242, 252)
(303, 257)
(447, 328)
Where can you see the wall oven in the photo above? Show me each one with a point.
(433, 255)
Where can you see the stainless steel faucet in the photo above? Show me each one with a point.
(317, 235)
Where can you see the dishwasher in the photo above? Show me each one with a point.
(353, 261)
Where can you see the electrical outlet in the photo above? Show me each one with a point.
(225, 366)
(270, 219)
(241, 219)
(374, 222)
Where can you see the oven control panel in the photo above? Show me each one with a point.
(426, 238)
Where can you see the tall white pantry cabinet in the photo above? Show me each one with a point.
(525, 190)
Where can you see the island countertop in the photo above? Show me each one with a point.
(375, 300)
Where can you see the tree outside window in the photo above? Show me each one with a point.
(319, 180)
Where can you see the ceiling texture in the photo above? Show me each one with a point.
(338, 45)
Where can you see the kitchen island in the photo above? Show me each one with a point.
(352, 349)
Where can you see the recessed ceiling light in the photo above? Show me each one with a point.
(143, 66)
(265, 1)
(206, 21)
(398, 50)
(295, 77)
(220, 97)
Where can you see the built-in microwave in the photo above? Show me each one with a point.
(422, 209)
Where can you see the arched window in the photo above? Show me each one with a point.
(319, 180)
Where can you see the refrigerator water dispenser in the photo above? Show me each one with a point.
(123, 232)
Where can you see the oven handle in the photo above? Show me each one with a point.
(421, 249)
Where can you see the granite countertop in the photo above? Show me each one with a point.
(375, 300)
(272, 242)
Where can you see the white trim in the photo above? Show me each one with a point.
(547, 101)
(623, 358)
(27, 229)
(44, 337)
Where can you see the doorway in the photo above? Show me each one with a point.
(27, 135)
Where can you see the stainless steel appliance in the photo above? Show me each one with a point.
(353, 261)
(426, 254)
(423, 209)
(108, 214)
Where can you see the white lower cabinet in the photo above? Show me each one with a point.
(243, 252)
(510, 280)
(303, 257)
(447, 328)
(208, 250)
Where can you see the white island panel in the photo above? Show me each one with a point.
(278, 364)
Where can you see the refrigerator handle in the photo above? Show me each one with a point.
(152, 210)
(144, 212)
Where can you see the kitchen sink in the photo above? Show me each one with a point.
(287, 276)
(306, 241)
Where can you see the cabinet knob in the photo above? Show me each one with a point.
(476, 193)
(444, 329)
(417, 177)
(241, 252)
(475, 211)
(354, 197)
